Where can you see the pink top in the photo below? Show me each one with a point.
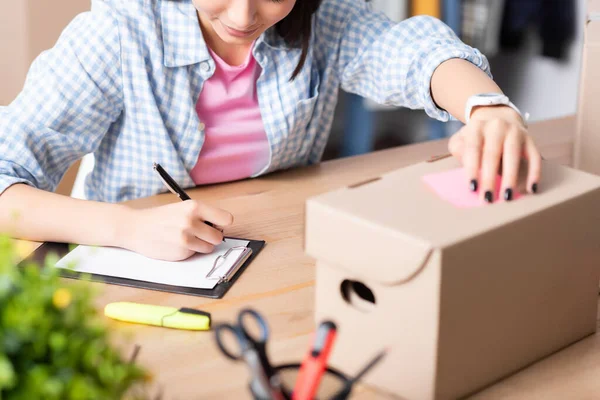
(235, 145)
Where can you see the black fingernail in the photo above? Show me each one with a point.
(534, 188)
(474, 185)
(488, 196)
(508, 194)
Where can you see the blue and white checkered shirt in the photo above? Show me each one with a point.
(123, 79)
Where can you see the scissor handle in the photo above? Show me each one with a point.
(220, 332)
(263, 335)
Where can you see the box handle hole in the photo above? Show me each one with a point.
(358, 295)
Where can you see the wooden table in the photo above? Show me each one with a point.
(280, 284)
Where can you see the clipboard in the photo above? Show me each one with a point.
(225, 281)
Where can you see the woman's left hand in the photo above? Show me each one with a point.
(496, 135)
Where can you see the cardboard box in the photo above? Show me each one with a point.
(587, 138)
(27, 27)
(462, 297)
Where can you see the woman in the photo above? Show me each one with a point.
(220, 90)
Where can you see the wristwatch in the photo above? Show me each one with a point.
(491, 99)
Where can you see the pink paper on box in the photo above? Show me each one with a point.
(453, 187)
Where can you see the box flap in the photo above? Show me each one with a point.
(386, 229)
(368, 249)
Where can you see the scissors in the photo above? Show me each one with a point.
(265, 382)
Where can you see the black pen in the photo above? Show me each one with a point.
(175, 188)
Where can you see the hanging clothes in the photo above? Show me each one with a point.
(427, 7)
(482, 24)
(396, 10)
(452, 13)
(555, 20)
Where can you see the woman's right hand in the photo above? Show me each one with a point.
(174, 231)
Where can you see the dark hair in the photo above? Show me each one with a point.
(295, 28)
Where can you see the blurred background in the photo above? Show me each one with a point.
(534, 48)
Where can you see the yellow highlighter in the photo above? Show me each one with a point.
(168, 317)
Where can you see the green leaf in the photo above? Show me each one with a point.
(51, 260)
(58, 341)
(53, 389)
(7, 373)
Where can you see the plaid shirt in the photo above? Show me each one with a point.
(123, 79)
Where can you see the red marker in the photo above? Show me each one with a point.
(315, 363)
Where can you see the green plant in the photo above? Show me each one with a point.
(53, 344)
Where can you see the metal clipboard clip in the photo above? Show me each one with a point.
(246, 252)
